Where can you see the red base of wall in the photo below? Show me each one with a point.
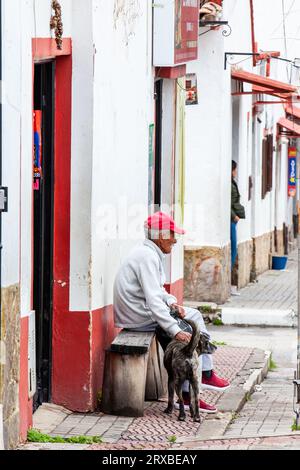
(176, 289)
(80, 340)
(24, 403)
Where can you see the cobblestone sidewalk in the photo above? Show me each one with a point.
(155, 429)
(274, 290)
(270, 410)
(259, 443)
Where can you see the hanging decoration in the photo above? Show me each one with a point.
(210, 11)
(37, 138)
(57, 24)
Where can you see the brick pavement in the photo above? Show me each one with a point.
(155, 429)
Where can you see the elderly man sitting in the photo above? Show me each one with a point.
(142, 304)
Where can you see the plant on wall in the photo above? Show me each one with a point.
(57, 24)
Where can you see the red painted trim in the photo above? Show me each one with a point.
(265, 82)
(176, 289)
(290, 125)
(292, 110)
(254, 44)
(171, 72)
(45, 48)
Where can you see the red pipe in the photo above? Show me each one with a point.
(254, 44)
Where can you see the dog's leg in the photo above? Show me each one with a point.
(194, 386)
(178, 388)
(171, 389)
(192, 398)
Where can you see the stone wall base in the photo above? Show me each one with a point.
(262, 248)
(242, 273)
(10, 369)
(207, 270)
(207, 274)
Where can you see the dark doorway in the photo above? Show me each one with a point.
(43, 229)
(158, 142)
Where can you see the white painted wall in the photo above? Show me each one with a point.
(208, 148)
(123, 111)
(82, 154)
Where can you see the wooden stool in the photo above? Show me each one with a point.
(134, 372)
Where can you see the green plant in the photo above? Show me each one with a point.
(34, 435)
(205, 309)
(99, 397)
(172, 439)
(248, 396)
(295, 427)
(217, 322)
(219, 343)
(272, 365)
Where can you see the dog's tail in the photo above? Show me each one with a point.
(190, 348)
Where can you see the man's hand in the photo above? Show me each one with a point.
(181, 310)
(237, 219)
(183, 337)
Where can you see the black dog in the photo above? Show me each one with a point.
(182, 363)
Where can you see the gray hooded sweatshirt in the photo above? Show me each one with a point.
(140, 300)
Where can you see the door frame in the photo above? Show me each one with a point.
(45, 49)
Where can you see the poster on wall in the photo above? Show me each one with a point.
(151, 166)
(292, 172)
(175, 32)
(37, 140)
(191, 89)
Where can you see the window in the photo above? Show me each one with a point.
(267, 165)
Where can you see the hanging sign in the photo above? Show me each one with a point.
(37, 136)
(176, 29)
(292, 172)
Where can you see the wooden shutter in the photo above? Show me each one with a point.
(264, 168)
(269, 162)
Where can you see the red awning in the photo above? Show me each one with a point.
(292, 110)
(259, 90)
(290, 126)
(267, 83)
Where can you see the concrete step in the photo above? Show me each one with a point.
(261, 317)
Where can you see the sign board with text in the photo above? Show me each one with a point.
(176, 30)
(292, 172)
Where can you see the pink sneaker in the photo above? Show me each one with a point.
(206, 408)
(214, 383)
(203, 407)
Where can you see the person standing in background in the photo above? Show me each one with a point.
(237, 213)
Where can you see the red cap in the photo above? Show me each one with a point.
(161, 221)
